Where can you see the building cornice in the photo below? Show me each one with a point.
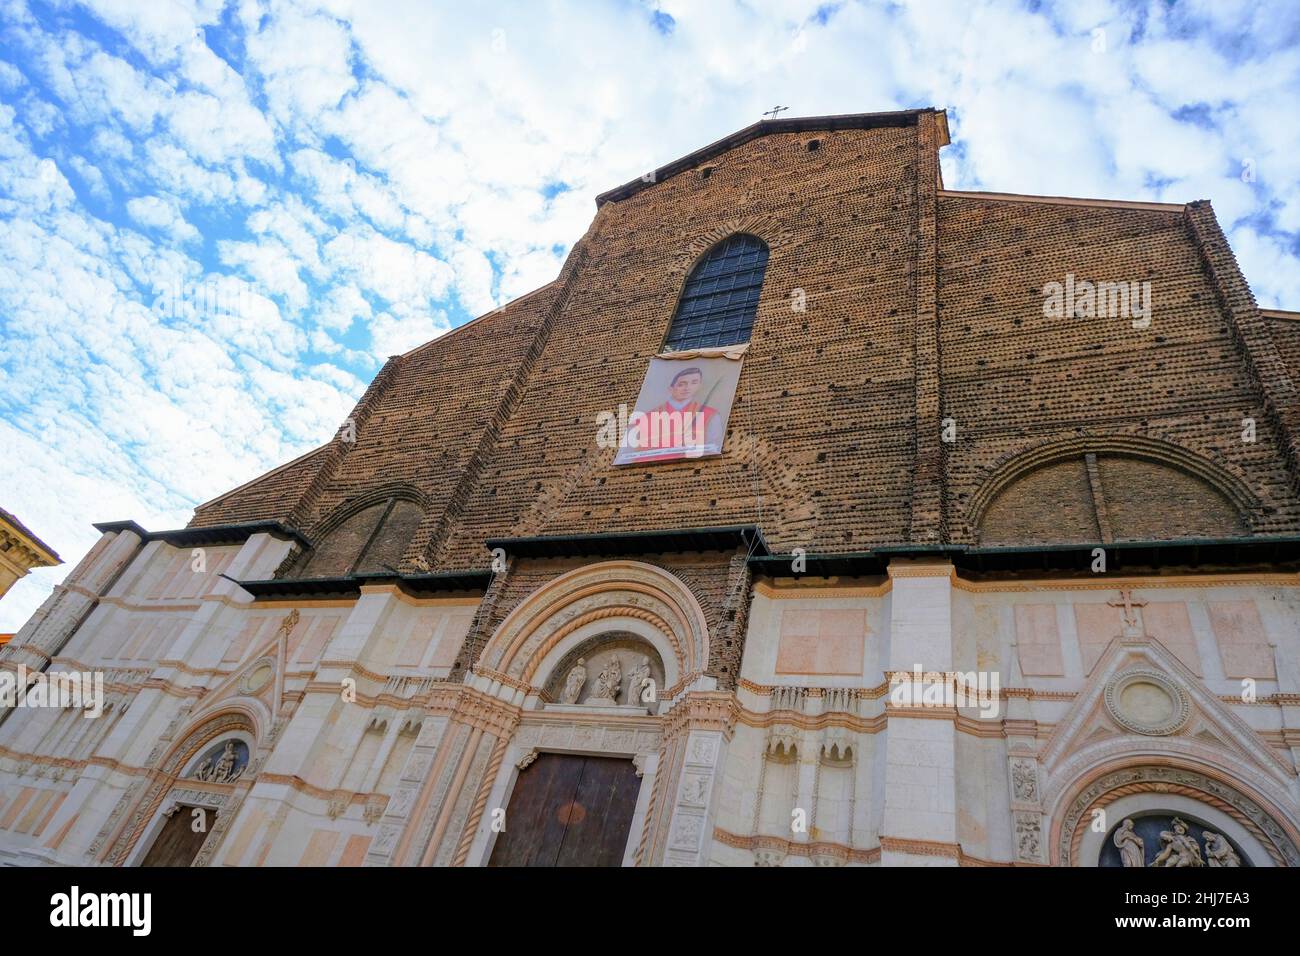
(212, 535)
(22, 548)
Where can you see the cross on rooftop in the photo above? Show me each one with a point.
(774, 110)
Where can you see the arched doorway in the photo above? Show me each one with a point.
(177, 814)
(573, 803)
(192, 808)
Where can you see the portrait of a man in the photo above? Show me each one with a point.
(682, 410)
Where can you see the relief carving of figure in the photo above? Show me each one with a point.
(204, 771)
(636, 686)
(1027, 833)
(609, 682)
(1219, 851)
(1179, 848)
(1026, 786)
(573, 684)
(1132, 852)
(224, 771)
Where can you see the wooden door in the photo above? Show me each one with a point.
(569, 810)
(177, 844)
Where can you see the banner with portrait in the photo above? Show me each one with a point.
(683, 407)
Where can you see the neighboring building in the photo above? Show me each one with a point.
(20, 552)
(462, 634)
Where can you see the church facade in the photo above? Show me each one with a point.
(815, 515)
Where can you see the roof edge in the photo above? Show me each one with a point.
(1063, 200)
(1244, 552)
(350, 585)
(797, 124)
(628, 543)
(212, 534)
(48, 555)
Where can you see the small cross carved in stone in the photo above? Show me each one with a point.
(1128, 603)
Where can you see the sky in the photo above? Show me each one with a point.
(217, 219)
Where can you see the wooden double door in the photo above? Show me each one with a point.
(178, 843)
(569, 810)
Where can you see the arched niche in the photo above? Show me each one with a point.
(1111, 794)
(223, 762)
(363, 537)
(1149, 830)
(576, 679)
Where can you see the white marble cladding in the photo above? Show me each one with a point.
(167, 616)
(937, 786)
(816, 763)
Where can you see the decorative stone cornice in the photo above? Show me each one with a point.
(823, 853)
(703, 710)
(22, 549)
(920, 847)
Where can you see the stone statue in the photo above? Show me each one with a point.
(1180, 848)
(224, 771)
(204, 771)
(1219, 851)
(636, 686)
(574, 682)
(610, 681)
(1131, 849)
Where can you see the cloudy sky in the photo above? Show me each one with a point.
(218, 218)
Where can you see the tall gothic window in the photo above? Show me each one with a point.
(721, 296)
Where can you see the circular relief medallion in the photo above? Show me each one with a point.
(257, 678)
(1147, 702)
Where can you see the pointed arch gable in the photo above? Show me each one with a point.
(1237, 772)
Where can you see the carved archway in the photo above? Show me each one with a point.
(175, 778)
(1105, 786)
(616, 595)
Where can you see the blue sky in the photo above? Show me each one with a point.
(218, 218)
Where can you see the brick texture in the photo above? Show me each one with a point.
(921, 304)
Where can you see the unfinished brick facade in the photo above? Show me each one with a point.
(924, 307)
(927, 477)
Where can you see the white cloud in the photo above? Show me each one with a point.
(153, 212)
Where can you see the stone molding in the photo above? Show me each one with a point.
(595, 592)
(1106, 786)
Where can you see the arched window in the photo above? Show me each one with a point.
(721, 296)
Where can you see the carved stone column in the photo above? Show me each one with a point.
(696, 735)
(1028, 828)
